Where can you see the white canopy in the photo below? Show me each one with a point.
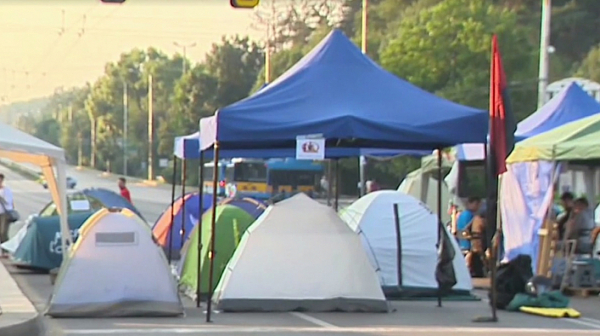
(21, 147)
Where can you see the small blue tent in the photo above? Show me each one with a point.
(253, 207)
(337, 92)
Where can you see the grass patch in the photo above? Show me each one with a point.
(26, 173)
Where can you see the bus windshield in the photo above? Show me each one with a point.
(229, 172)
(250, 172)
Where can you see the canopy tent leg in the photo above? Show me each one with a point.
(439, 213)
(183, 181)
(173, 184)
(398, 246)
(329, 181)
(213, 220)
(337, 185)
(200, 207)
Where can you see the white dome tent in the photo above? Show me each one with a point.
(115, 269)
(299, 255)
(372, 216)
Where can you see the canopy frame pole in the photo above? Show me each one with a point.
(173, 184)
(200, 208)
(213, 220)
(329, 181)
(337, 185)
(183, 182)
(439, 214)
(398, 245)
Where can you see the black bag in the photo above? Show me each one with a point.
(11, 215)
(512, 279)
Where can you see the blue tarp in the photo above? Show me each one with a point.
(569, 105)
(338, 92)
(188, 147)
(110, 199)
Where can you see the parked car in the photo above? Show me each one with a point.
(71, 183)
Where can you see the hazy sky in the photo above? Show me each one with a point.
(41, 53)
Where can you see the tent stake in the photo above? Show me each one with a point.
(200, 207)
(213, 220)
(172, 210)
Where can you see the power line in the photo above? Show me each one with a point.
(63, 58)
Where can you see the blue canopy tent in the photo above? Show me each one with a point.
(569, 105)
(188, 147)
(338, 93)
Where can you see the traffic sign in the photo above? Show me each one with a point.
(244, 3)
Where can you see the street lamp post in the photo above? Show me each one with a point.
(125, 127)
(185, 48)
(544, 51)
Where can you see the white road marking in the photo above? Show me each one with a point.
(279, 330)
(313, 320)
(588, 322)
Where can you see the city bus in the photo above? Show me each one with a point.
(264, 179)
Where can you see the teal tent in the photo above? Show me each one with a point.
(41, 246)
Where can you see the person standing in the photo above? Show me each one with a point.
(123, 188)
(6, 205)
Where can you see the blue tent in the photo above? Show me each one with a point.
(569, 105)
(188, 147)
(339, 93)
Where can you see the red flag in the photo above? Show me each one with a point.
(502, 122)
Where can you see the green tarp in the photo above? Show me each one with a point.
(41, 247)
(578, 140)
(231, 223)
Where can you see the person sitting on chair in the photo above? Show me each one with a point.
(579, 227)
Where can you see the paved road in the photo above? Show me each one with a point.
(409, 318)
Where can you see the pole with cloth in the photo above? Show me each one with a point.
(500, 145)
(200, 207)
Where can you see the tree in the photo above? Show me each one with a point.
(235, 63)
(590, 66)
(445, 49)
(194, 98)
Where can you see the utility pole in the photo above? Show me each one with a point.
(544, 46)
(125, 127)
(185, 48)
(362, 159)
(150, 129)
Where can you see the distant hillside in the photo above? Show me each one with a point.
(9, 114)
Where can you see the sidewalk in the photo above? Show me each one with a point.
(18, 316)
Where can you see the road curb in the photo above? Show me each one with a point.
(19, 316)
(33, 326)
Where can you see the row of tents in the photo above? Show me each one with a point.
(296, 255)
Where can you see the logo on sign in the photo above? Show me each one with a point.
(310, 147)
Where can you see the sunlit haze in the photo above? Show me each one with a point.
(41, 51)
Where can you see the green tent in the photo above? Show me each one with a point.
(231, 223)
(575, 141)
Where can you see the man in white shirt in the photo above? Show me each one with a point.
(6, 204)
